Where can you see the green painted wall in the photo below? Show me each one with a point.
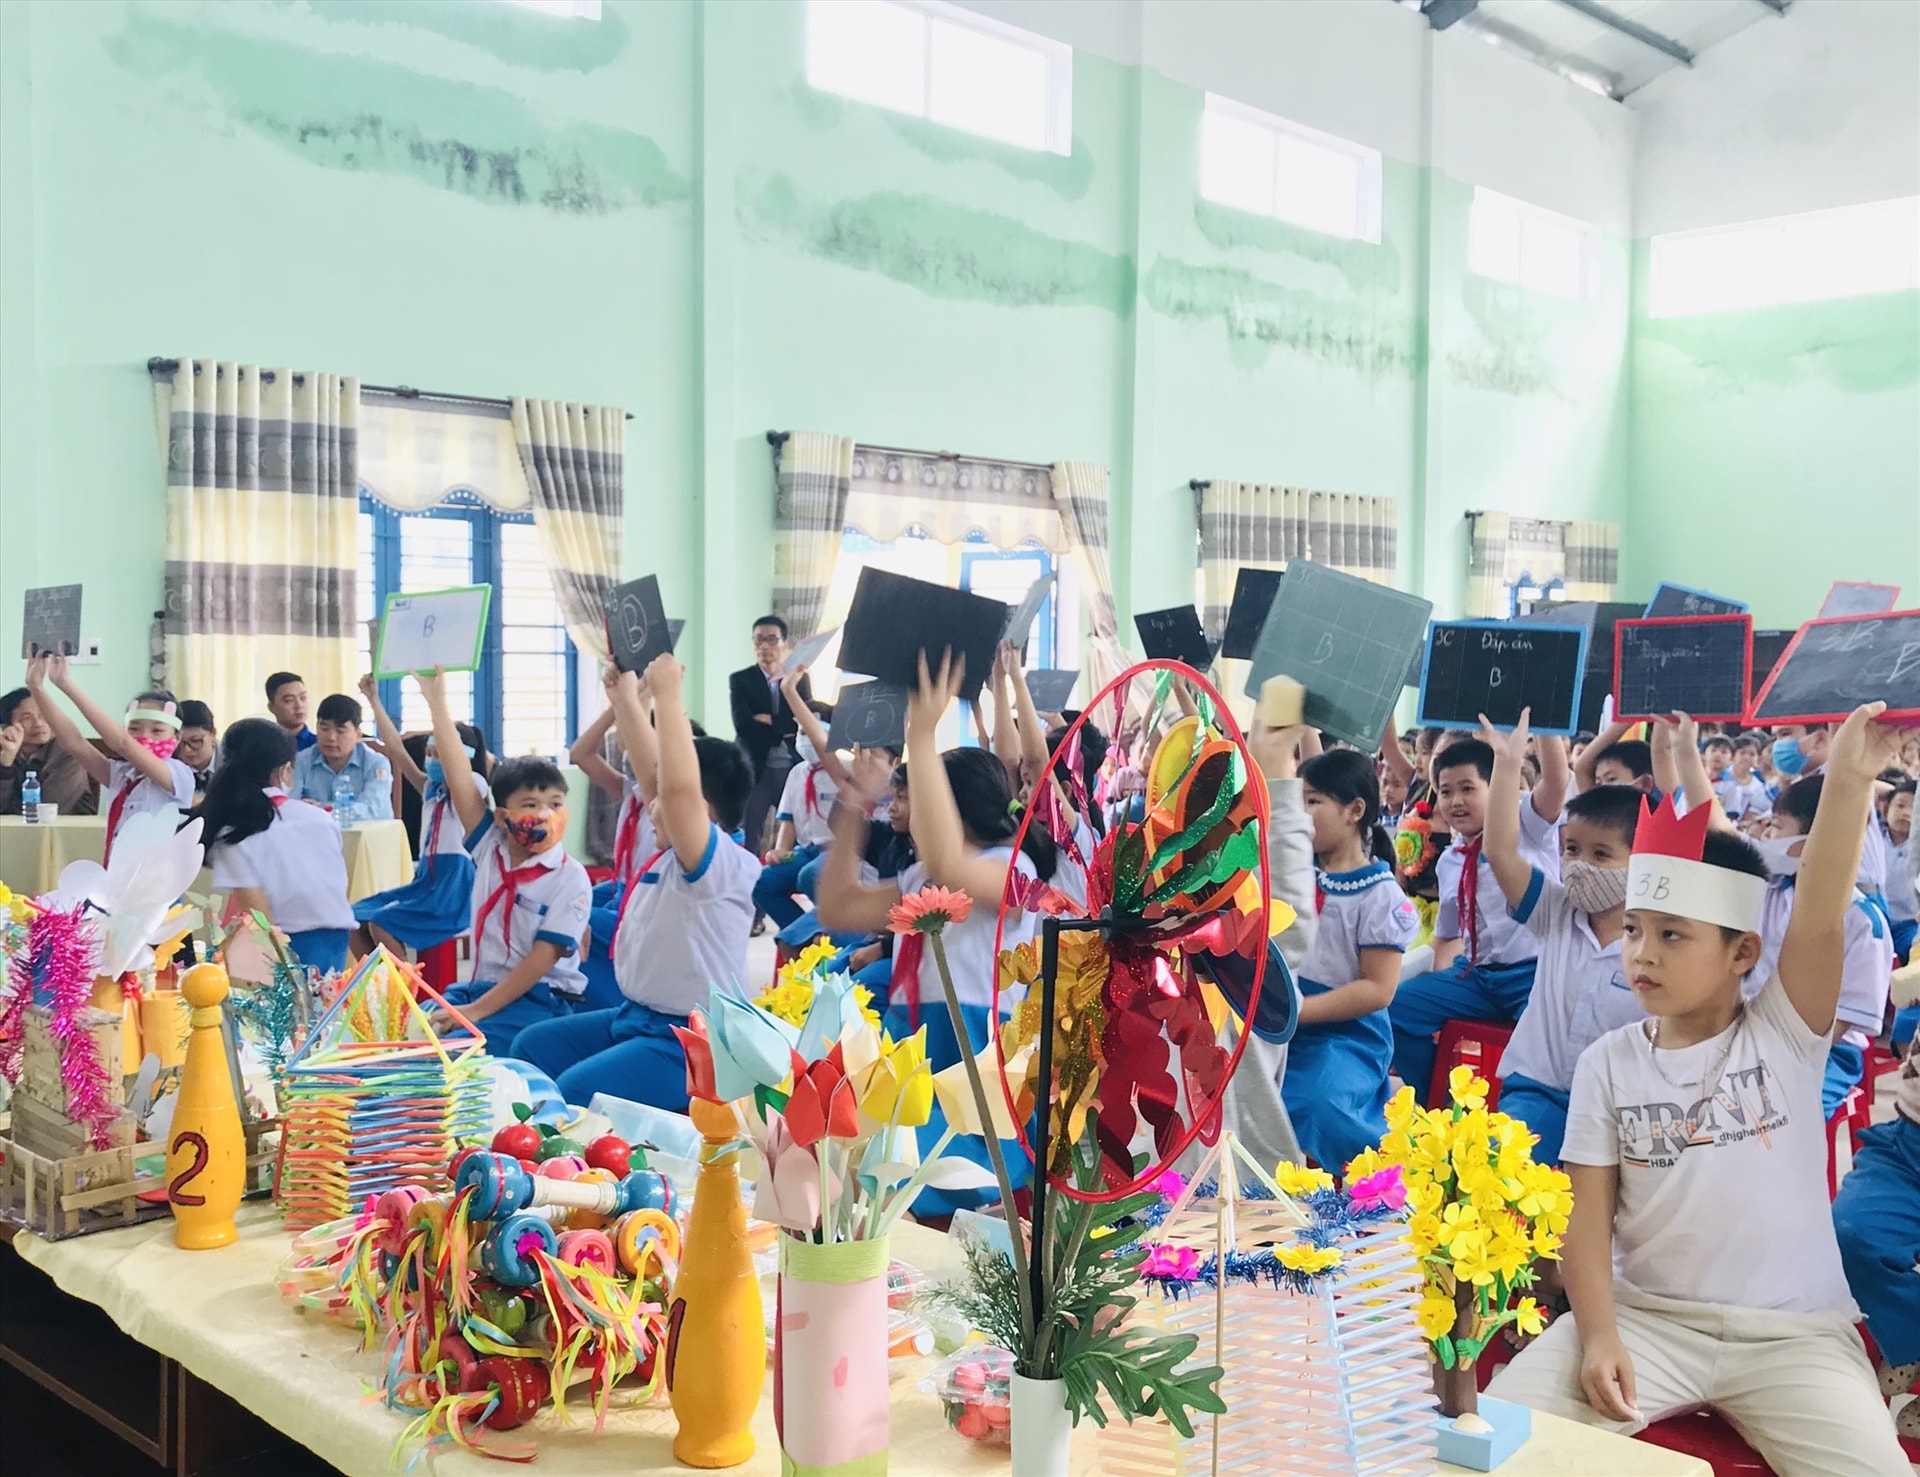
(656, 211)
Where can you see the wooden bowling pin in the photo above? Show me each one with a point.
(207, 1152)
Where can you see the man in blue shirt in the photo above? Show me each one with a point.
(339, 757)
(287, 701)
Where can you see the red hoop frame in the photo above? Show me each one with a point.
(1122, 685)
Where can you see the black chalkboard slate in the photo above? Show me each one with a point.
(1051, 688)
(1347, 641)
(637, 629)
(1174, 635)
(674, 628)
(1857, 597)
(52, 621)
(1678, 600)
(1498, 668)
(870, 714)
(1694, 664)
(1253, 592)
(894, 618)
(1599, 618)
(1833, 666)
(1768, 648)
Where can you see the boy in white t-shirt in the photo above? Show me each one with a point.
(686, 918)
(1701, 1263)
(1741, 791)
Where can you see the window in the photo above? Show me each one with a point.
(1512, 241)
(524, 694)
(1256, 162)
(1849, 252)
(941, 62)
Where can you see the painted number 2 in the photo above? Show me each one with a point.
(177, 1186)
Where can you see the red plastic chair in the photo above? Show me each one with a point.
(1703, 1434)
(1476, 1044)
(441, 964)
(1838, 1126)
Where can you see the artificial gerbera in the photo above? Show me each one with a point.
(929, 910)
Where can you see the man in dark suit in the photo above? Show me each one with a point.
(763, 724)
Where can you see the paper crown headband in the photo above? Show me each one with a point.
(1666, 874)
(166, 715)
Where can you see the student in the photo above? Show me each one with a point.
(1336, 1079)
(1483, 960)
(272, 855)
(1079, 822)
(1580, 989)
(1902, 903)
(27, 747)
(529, 899)
(199, 745)
(633, 838)
(802, 831)
(287, 702)
(143, 775)
(1615, 759)
(687, 915)
(1741, 791)
(437, 904)
(1876, 1218)
(1701, 1262)
(1718, 751)
(339, 758)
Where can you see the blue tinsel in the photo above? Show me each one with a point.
(1331, 1219)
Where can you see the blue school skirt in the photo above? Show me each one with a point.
(1335, 1088)
(324, 949)
(943, 1051)
(434, 907)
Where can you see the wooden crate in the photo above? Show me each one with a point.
(100, 1191)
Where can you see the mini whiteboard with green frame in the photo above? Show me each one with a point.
(421, 630)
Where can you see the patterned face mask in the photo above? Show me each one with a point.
(539, 830)
(1594, 889)
(160, 748)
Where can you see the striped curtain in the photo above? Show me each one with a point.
(574, 459)
(1573, 561)
(1241, 524)
(812, 474)
(1593, 559)
(1358, 535)
(1080, 493)
(262, 533)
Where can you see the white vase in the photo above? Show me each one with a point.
(1042, 1428)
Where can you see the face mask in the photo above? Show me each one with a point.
(160, 748)
(1774, 851)
(804, 747)
(436, 775)
(1787, 757)
(1594, 889)
(542, 830)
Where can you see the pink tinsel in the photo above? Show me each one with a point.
(62, 947)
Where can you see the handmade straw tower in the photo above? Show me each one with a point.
(374, 1099)
(1341, 1371)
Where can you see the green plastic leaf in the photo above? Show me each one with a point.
(1443, 1346)
(522, 1111)
(1195, 829)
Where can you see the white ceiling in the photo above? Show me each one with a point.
(1558, 36)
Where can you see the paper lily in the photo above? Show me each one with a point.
(891, 1155)
(860, 1046)
(822, 1103)
(788, 1194)
(128, 902)
(900, 1089)
(956, 1094)
(832, 1008)
(750, 1047)
(699, 1050)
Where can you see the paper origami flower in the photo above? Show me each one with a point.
(929, 910)
(832, 1010)
(128, 904)
(788, 1194)
(821, 1104)
(900, 1088)
(735, 1049)
(956, 1094)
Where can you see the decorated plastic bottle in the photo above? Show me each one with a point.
(716, 1334)
(206, 1152)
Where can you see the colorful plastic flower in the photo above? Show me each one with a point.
(929, 910)
(1309, 1259)
(821, 1104)
(1181, 1263)
(1467, 1090)
(1298, 1179)
(1383, 1187)
(1529, 1317)
(1436, 1314)
(900, 1088)
(1169, 1185)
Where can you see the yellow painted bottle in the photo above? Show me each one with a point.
(716, 1335)
(206, 1150)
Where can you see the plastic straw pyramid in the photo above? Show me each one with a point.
(373, 1098)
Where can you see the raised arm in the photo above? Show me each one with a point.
(1590, 756)
(1289, 834)
(1666, 772)
(1033, 735)
(1396, 760)
(588, 754)
(939, 839)
(685, 823)
(1814, 950)
(65, 731)
(454, 761)
(1549, 796)
(1690, 768)
(1006, 732)
(391, 739)
(1501, 840)
(810, 725)
(845, 902)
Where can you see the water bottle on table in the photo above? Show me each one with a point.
(30, 798)
(345, 802)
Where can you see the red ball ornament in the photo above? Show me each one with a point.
(611, 1153)
(518, 1141)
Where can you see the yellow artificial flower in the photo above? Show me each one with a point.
(1366, 1162)
(1472, 1253)
(1297, 1179)
(1309, 1258)
(807, 962)
(901, 1083)
(1466, 1090)
(1424, 1232)
(1528, 1316)
(1436, 1314)
(1400, 1111)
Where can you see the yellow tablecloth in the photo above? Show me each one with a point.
(217, 1313)
(32, 857)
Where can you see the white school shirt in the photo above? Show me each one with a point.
(144, 795)
(1502, 940)
(297, 862)
(1069, 876)
(1740, 801)
(440, 833)
(1903, 897)
(1580, 990)
(686, 931)
(969, 945)
(551, 908)
(1866, 967)
(1361, 909)
(810, 827)
(1732, 1207)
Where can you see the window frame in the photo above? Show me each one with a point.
(1525, 210)
(1367, 205)
(1770, 234)
(1057, 55)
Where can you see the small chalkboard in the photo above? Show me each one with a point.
(1253, 592)
(1346, 640)
(1599, 618)
(637, 629)
(1678, 600)
(52, 621)
(1831, 667)
(893, 619)
(870, 714)
(1500, 667)
(1768, 648)
(1855, 597)
(1051, 689)
(1693, 664)
(1174, 635)
(1021, 618)
(806, 653)
(674, 627)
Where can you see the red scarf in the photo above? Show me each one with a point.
(114, 812)
(908, 950)
(1468, 898)
(626, 840)
(439, 808)
(810, 788)
(506, 893)
(626, 897)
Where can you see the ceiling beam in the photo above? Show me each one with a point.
(1442, 13)
(1600, 15)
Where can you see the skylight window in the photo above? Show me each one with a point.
(1848, 252)
(1512, 241)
